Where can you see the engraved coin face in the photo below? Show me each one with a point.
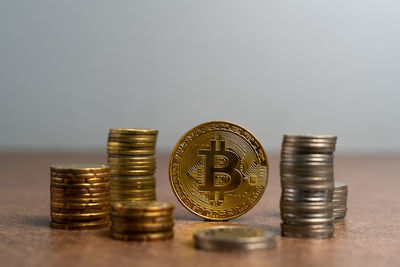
(218, 170)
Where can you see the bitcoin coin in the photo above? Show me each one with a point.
(218, 170)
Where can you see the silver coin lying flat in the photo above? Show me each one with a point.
(234, 238)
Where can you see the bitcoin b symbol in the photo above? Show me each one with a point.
(215, 176)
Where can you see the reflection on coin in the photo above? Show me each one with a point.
(218, 170)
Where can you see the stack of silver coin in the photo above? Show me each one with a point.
(339, 201)
(231, 237)
(307, 185)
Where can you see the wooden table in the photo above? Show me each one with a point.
(370, 236)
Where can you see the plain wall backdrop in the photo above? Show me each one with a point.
(70, 70)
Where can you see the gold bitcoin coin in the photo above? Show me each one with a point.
(218, 170)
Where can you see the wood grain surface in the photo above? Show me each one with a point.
(370, 236)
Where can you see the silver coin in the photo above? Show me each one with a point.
(297, 137)
(234, 237)
(340, 185)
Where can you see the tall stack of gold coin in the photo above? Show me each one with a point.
(79, 196)
(142, 220)
(131, 158)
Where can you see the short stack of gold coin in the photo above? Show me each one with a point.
(142, 220)
(131, 158)
(79, 196)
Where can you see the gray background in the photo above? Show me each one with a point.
(70, 70)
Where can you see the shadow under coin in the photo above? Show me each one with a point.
(35, 220)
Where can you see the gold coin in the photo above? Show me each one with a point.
(130, 144)
(82, 195)
(127, 160)
(80, 216)
(132, 227)
(133, 184)
(105, 219)
(67, 211)
(92, 175)
(144, 236)
(132, 139)
(133, 196)
(132, 152)
(140, 216)
(132, 165)
(127, 198)
(127, 178)
(218, 170)
(79, 191)
(79, 199)
(79, 168)
(133, 172)
(79, 181)
(118, 182)
(132, 191)
(83, 185)
(116, 187)
(133, 131)
(119, 193)
(128, 206)
(77, 206)
(79, 226)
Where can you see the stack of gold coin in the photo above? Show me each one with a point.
(142, 220)
(79, 196)
(131, 158)
(307, 185)
(340, 201)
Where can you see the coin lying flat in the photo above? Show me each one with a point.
(133, 131)
(218, 170)
(152, 236)
(80, 226)
(234, 237)
(79, 168)
(129, 206)
(83, 206)
(121, 227)
(319, 232)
